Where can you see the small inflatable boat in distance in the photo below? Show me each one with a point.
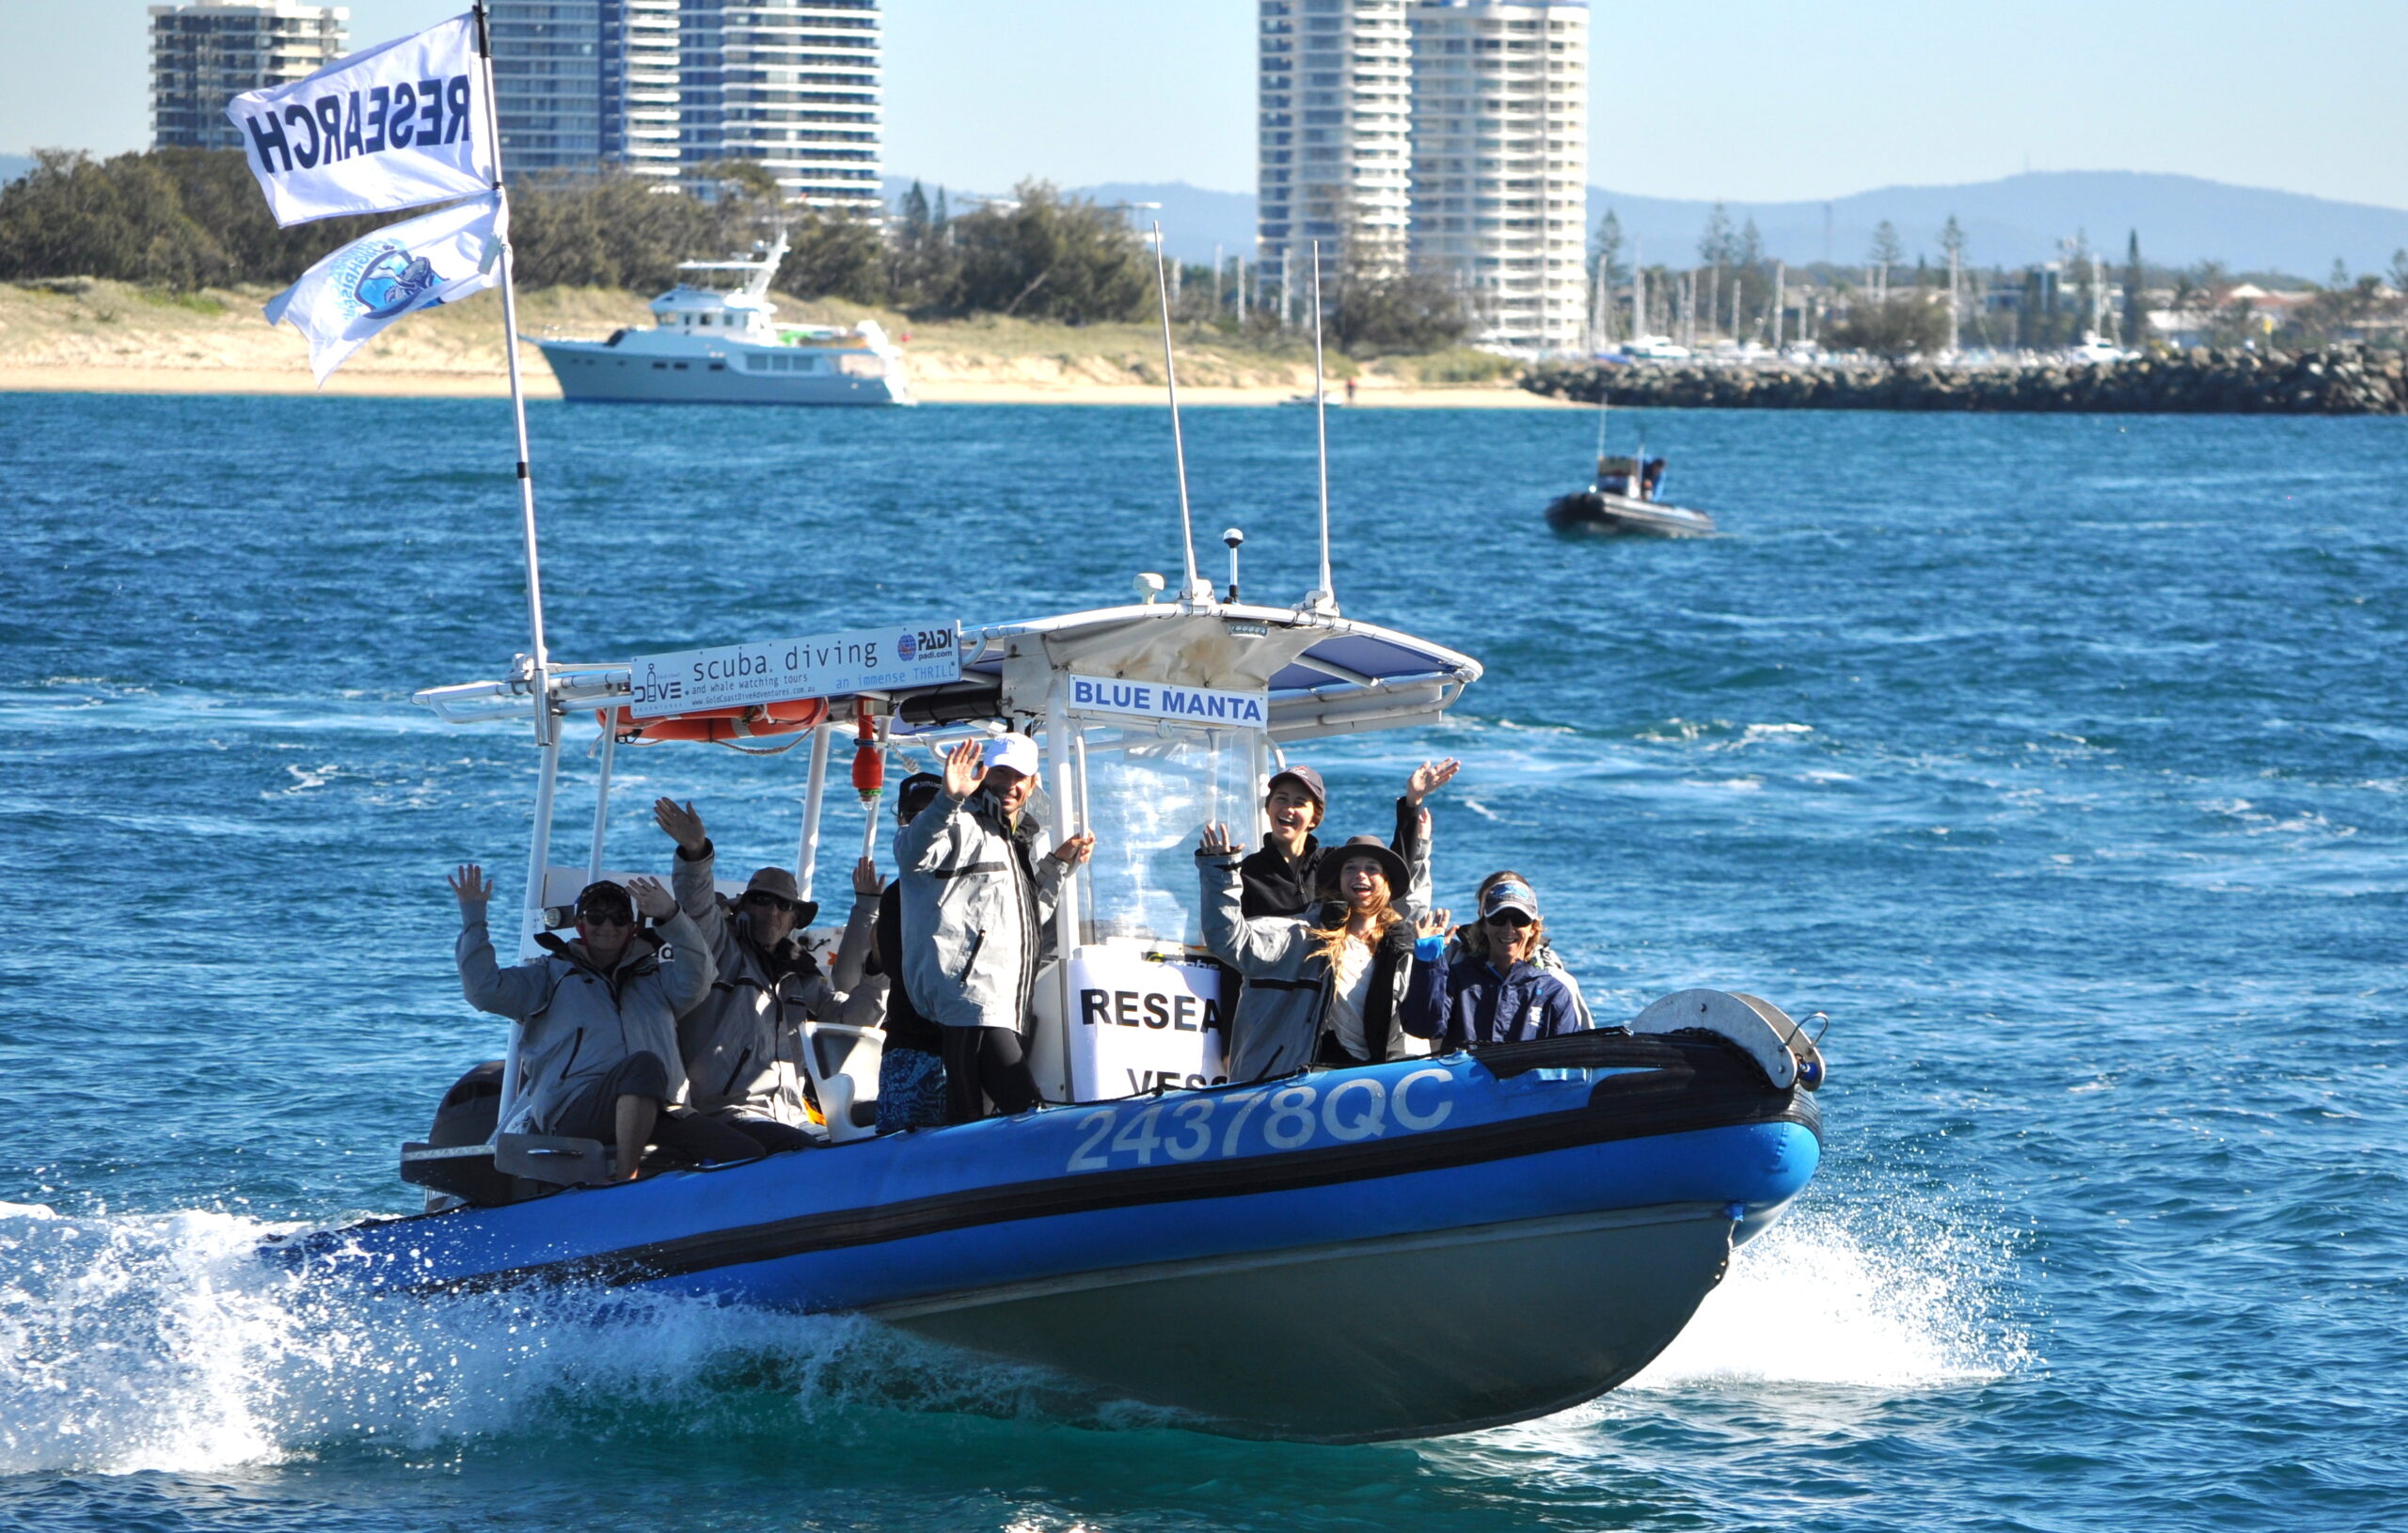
(1622, 502)
(1420, 1246)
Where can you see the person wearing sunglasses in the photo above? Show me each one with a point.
(743, 1043)
(1537, 951)
(1497, 996)
(597, 1046)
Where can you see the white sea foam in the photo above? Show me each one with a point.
(166, 1343)
(1816, 1302)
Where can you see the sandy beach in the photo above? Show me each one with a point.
(109, 338)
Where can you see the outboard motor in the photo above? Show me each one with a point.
(454, 1163)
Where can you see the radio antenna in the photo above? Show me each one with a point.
(1324, 598)
(1178, 443)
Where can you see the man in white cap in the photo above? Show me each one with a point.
(975, 903)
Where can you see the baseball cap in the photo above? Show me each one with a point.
(1305, 778)
(605, 897)
(1510, 894)
(1016, 751)
(916, 793)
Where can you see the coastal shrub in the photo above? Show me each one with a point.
(1046, 256)
(1904, 327)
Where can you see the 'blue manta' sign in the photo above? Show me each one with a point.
(1168, 701)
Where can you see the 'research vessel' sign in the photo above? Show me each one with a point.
(1162, 700)
(783, 670)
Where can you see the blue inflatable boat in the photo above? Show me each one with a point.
(1396, 1250)
(1389, 1251)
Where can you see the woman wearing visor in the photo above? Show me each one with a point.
(1498, 992)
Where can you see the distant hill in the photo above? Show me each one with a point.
(2181, 219)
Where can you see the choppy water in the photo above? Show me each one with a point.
(2059, 760)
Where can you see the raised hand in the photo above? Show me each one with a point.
(964, 767)
(1436, 923)
(685, 827)
(1429, 777)
(469, 885)
(1217, 841)
(652, 897)
(867, 881)
(1076, 850)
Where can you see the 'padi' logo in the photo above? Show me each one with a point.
(905, 647)
(392, 281)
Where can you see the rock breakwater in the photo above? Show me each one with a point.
(2334, 380)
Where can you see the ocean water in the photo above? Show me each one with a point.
(2059, 760)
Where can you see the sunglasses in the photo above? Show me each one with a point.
(772, 902)
(607, 918)
(1508, 918)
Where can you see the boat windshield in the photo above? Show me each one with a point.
(1147, 798)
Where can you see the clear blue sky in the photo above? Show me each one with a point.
(1745, 99)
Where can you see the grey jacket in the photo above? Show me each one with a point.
(576, 1020)
(975, 901)
(1285, 1006)
(743, 1045)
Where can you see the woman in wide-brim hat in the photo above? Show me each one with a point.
(1326, 990)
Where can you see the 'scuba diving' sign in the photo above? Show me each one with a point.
(1204, 706)
(783, 670)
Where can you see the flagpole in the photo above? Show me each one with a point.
(547, 737)
(517, 390)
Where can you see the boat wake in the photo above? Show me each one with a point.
(1818, 1300)
(161, 1343)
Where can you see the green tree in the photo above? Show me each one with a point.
(1884, 253)
(1896, 328)
(1048, 256)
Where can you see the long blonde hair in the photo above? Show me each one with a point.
(1329, 942)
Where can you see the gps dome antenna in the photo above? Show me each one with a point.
(1189, 592)
(1323, 598)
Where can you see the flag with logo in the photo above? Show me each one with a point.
(438, 258)
(395, 126)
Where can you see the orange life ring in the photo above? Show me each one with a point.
(720, 726)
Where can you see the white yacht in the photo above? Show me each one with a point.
(710, 346)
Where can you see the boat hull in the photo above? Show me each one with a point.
(1409, 1335)
(1392, 1251)
(1595, 514)
(591, 370)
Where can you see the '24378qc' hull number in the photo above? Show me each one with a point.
(1284, 1118)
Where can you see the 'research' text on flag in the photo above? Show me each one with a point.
(395, 126)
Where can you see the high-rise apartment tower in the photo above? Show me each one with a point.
(206, 52)
(1335, 148)
(1501, 162)
(663, 88)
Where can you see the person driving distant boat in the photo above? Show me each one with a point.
(743, 1044)
(977, 905)
(597, 1048)
(1328, 994)
(1501, 994)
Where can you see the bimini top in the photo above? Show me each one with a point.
(1321, 673)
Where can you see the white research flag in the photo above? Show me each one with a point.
(397, 126)
(433, 258)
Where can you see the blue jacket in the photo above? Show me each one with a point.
(1464, 1001)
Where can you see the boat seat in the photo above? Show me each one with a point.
(843, 1064)
(557, 1158)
